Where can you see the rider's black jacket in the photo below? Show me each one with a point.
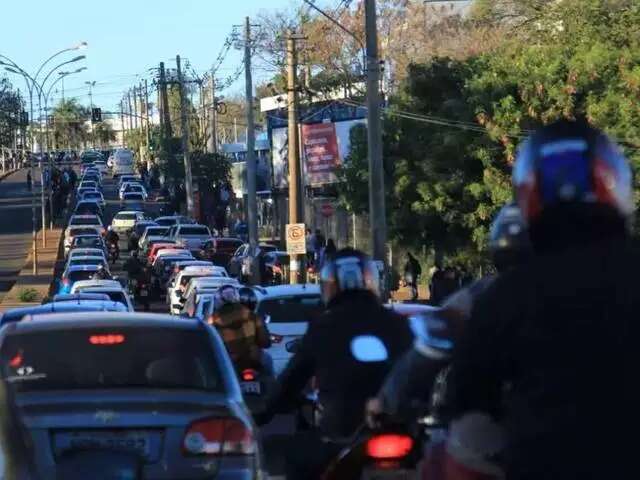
(552, 351)
(345, 383)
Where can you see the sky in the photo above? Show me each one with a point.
(125, 39)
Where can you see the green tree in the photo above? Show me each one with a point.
(10, 108)
(69, 127)
(103, 133)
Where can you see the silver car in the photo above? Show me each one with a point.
(155, 392)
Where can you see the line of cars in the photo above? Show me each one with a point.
(141, 395)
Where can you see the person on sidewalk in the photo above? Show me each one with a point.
(412, 270)
(29, 181)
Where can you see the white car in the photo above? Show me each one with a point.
(127, 178)
(125, 220)
(132, 187)
(177, 288)
(198, 285)
(200, 306)
(109, 287)
(74, 231)
(287, 311)
(101, 166)
(172, 252)
(86, 220)
(122, 162)
(154, 232)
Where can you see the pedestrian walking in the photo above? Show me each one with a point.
(412, 271)
(29, 181)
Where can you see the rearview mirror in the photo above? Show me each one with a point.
(293, 346)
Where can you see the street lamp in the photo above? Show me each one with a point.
(32, 83)
(62, 75)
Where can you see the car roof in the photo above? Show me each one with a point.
(204, 268)
(128, 211)
(195, 263)
(96, 283)
(82, 216)
(77, 297)
(289, 290)
(88, 257)
(16, 314)
(56, 321)
(173, 251)
(87, 249)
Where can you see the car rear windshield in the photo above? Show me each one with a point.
(193, 231)
(114, 296)
(167, 222)
(133, 196)
(84, 208)
(85, 221)
(92, 195)
(125, 216)
(82, 231)
(86, 261)
(157, 231)
(298, 308)
(132, 357)
(88, 242)
(80, 275)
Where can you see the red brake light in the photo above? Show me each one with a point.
(218, 436)
(276, 338)
(66, 282)
(249, 375)
(108, 339)
(16, 361)
(389, 446)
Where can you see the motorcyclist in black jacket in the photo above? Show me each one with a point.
(403, 397)
(349, 349)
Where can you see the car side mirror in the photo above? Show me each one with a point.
(293, 346)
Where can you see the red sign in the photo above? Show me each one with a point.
(321, 152)
(327, 209)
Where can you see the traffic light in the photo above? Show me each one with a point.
(96, 115)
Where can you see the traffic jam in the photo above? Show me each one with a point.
(141, 359)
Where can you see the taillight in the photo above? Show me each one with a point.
(249, 375)
(276, 338)
(66, 282)
(107, 339)
(389, 446)
(218, 436)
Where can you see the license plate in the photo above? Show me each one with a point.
(250, 387)
(131, 441)
(375, 474)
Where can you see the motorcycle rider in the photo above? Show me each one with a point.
(544, 336)
(101, 274)
(112, 240)
(509, 247)
(243, 332)
(133, 266)
(332, 351)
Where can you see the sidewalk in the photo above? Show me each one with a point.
(42, 282)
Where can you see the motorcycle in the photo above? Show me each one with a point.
(114, 253)
(143, 294)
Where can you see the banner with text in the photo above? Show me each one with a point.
(320, 146)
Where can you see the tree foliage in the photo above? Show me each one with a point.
(69, 129)
(449, 171)
(10, 108)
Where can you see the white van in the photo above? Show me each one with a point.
(122, 162)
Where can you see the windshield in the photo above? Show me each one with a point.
(196, 231)
(167, 222)
(92, 242)
(126, 216)
(87, 208)
(298, 308)
(85, 221)
(138, 358)
(156, 231)
(133, 196)
(86, 261)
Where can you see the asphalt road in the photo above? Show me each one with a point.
(16, 225)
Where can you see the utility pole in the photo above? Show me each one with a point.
(295, 203)
(184, 125)
(212, 146)
(377, 214)
(252, 207)
(166, 117)
(130, 110)
(135, 107)
(146, 114)
(122, 125)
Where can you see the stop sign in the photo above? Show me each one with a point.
(327, 209)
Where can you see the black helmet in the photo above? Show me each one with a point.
(509, 242)
(348, 270)
(248, 298)
(226, 295)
